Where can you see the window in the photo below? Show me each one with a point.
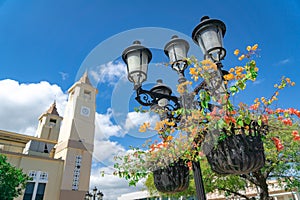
(35, 188)
(32, 175)
(43, 176)
(40, 191)
(28, 191)
(87, 95)
(52, 123)
(76, 172)
(78, 161)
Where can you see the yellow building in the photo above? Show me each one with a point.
(59, 156)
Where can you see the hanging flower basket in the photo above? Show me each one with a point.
(171, 179)
(238, 153)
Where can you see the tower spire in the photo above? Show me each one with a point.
(85, 78)
(53, 110)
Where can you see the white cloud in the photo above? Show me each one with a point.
(64, 75)
(105, 150)
(105, 127)
(22, 104)
(283, 62)
(135, 119)
(111, 186)
(258, 82)
(108, 73)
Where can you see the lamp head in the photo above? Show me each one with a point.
(176, 50)
(161, 88)
(137, 58)
(209, 36)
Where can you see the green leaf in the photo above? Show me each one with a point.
(241, 85)
(247, 120)
(259, 122)
(221, 123)
(233, 89)
(240, 121)
(204, 104)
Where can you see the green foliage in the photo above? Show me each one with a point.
(12, 180)
(283, 165)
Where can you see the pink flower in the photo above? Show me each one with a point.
(295, 133)
(278, 144)
(296, 138)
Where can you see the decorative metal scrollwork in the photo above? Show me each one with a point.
(147, 98)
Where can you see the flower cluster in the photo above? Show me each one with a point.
(182, 87)
(201, 69)
(278, 144)
(250, 51)
(296, 135)
(182, 131)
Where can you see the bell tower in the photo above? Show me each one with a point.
(48, 128)
(76, 139)
(49, 124)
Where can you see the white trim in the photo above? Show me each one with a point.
(76, 172)
(37, 179)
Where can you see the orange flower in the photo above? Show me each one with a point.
(189, 164)
(254, 47)
(193, 71)
(254, 106)
(279, 110)
(229, 119)
(242, 57)
(236, 52)
(171, 123)
(228, 77)
(144, 126)
(265, 119)
(169, 138)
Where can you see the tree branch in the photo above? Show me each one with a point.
(234, 192)
(250, 179)
(267, 173)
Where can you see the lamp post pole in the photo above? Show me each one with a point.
(208, 35)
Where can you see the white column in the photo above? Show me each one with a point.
(36, 184)
(296, 195)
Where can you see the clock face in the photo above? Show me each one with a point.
(85, 111)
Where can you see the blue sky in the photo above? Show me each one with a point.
(53, 42)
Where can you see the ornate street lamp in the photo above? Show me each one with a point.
(137, 58)
(209, 36)
(94, 195)
(100, 195)
(177, 50)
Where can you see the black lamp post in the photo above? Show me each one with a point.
(209, 36)
(95, 195)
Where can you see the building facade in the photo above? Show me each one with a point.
(58, 158)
